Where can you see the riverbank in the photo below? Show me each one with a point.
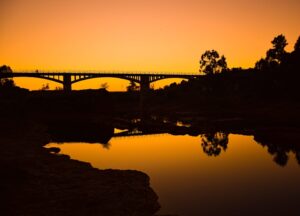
(37, 182)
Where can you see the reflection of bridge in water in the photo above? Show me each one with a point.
(135, 133)
(69, 78)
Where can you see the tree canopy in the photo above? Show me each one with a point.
(274, 56)
(211, 62)
(132, 87)
(297, 45)
(277, 53)
(213, 143)
(5, 69)
(5, 82)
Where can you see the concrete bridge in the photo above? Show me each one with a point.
(69, 78)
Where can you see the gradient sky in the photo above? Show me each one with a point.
(131, 35)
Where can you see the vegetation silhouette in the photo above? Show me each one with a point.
(297, 45)
(45, 87)
(268, 91)
(5, 83)
(104, 86)
(211, 63)
(213, 143)
(132, 87)
(274, 56)
(279, 144)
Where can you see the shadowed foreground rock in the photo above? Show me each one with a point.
(36, 182)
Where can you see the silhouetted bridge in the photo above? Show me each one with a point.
(69, 78)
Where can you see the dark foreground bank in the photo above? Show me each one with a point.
(36, 182)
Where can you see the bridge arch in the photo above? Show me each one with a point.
(161, 83)
(114, 83)
(36, 84)
(37, 77)
(167, 78)
(129, 78)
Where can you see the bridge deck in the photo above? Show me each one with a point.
(104, 73)
(69, 78)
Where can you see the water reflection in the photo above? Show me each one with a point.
(214, 143)
(242, 180)
(280, 144)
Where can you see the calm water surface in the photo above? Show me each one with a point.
(239, 178)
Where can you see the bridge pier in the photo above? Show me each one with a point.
(144, 90)
(145, 84)
(67, 83)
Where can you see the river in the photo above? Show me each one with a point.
(212, 174)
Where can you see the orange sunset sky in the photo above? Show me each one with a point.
(131, 35)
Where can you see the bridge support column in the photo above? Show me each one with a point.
(67, 83)
(144, 90)
(145, 84)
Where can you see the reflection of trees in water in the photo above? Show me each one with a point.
(106, 145)
(280, 154)
(213, 143)
(298, 156)
(280, 145)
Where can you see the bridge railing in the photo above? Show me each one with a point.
(109, 73)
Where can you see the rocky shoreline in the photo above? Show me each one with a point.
(38, 182)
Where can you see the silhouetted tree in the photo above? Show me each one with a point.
(280, 153)
(213, 143)
(276, 146)
(262, 64)
(58, 88)
(132, 87)
(297, 45)
(298, 156)
(281, 158)
(212, 63)
(104, 86)
(6, 82)
(277, 53)
(45, 87)
(5, 69)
